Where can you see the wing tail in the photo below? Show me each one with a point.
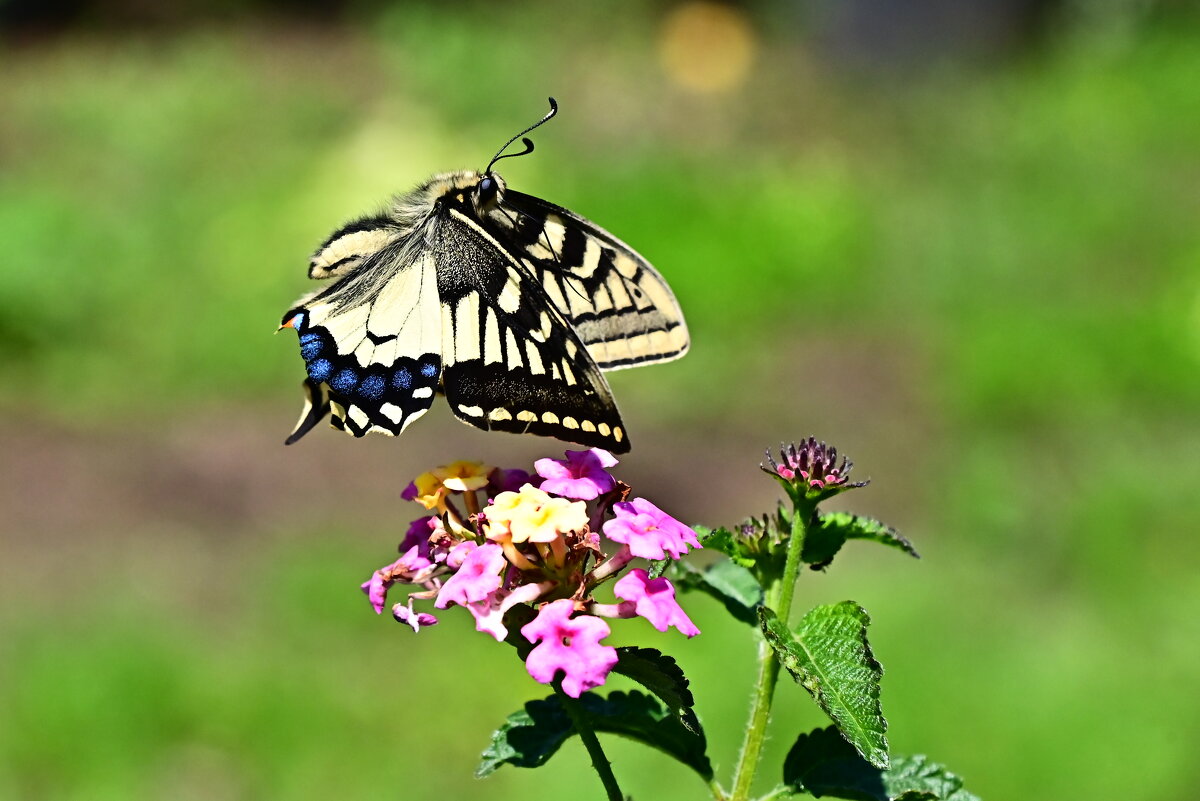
(316, 407)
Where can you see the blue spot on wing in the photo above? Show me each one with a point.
(320, 369)
(310, 349)
(372, 387)
(402, 379)
(429, 370)
(345, 381)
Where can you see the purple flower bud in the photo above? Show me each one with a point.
(500, 480)
(404, 613)
(418, 534)
(812, 469)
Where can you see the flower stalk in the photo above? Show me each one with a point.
(778, 598)
(591, 742)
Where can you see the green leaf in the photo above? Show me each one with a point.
(724, 541)
(834, 528)
(822, 763)
(530, 737)
(731, 584)
(917, 774)
(661, 675)
(821, 544)
(829, 656)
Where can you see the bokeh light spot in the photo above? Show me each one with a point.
(707, 47)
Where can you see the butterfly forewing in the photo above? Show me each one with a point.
(619, 306)
(512, 362)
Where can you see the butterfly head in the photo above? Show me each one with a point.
(488, 191)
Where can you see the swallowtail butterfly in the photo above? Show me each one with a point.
(508, 305)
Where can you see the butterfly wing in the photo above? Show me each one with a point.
(618, 304)
(371, 345)
(512, 361)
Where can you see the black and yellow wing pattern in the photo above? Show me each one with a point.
(508, 305)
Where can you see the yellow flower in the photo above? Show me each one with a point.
(430, 489)
(530, 515)
(464, 476)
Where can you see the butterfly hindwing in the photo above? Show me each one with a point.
(619, 306)
(371, 344)
(512, 362)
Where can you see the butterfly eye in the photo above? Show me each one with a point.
(487, 189)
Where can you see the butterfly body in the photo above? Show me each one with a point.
(506, 304)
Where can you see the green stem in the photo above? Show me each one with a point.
(791, 571)
(779, 599)
(599, 761)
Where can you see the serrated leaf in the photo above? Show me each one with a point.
(846, 526)
(829, 656)
(821, 544)
(731, 584)
(661, 675)
(917, 774)
(530, 737)
(822, 763)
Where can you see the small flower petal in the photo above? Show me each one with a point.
(411, 568)
(581, 476)
(532, 515)
(477, 578)
(570, 645)
(654, 599)
(489, 614)
(649, 532)
(463, 475)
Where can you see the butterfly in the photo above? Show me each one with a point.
(507, 304)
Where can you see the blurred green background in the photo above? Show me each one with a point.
(959, 241)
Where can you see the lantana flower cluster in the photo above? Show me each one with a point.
(497, 538)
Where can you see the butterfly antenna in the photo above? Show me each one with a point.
(528, 143)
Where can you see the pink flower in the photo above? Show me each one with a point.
(458, 553)
(477, 578)
(408, 568)
(489, 613)
(582, 476)
(649, 532)
(570, 645)
(654, 599)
